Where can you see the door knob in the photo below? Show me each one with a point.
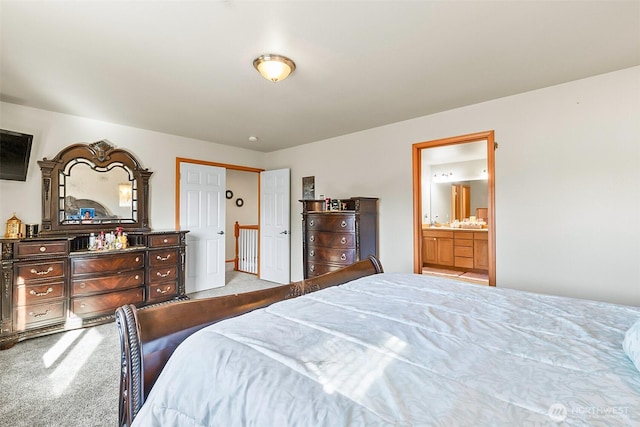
(220, 232)
(284, 232)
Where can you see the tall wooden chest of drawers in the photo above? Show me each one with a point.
(333, 239)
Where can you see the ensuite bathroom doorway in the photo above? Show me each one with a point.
(454, 207)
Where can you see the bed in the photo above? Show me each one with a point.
(361, 347)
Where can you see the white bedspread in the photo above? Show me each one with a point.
(405, 350)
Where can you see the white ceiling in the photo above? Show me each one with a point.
(185, 67)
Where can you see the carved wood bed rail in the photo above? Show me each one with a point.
(148, 336)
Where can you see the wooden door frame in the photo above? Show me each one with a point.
(417, 194)
(180, 160)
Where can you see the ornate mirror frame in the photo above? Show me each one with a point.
(100, 156)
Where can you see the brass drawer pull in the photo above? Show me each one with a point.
(163, 275)
(159, 258)
(167, 289)
(32, 314)
(137, 259)
(312, 267)
(312, 238)
(41, 273)
(343, 240)
(165, 241)
(312, 253)
(343, 257)
(41, 294)
(311, 223)
(343, 224)
(43, 249)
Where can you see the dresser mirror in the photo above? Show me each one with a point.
(93, 187)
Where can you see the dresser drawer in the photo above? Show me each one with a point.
(27, 249)
(107, 263)
(161, 292)
(319, 269)
(36, 315)
(34, 294)
(331, 222)
(162, 240)
(336, 256)
(331, 240)
(162, 274)
(45, 270)
(107, 303)
(163, 257)
(129, 279)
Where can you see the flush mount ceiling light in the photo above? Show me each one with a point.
(274, 67)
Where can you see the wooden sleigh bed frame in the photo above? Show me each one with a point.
(148, 336)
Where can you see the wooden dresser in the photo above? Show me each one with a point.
(335, 238)
(53, 284)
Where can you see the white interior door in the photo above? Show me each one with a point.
(202, 212)
(275, 236)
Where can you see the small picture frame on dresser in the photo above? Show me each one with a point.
(87, 214)
(308, 188)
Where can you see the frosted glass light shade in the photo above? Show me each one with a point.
(274, 67)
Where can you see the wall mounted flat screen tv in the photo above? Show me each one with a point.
(15, 149)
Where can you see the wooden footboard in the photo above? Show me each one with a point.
(148, 336)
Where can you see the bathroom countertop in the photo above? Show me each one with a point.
(428, 227)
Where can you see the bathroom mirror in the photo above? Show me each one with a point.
(454, 182)
(90, 187)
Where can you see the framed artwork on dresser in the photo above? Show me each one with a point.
(87, 213)
(308, 188)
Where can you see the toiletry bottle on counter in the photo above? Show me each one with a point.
(92, 241)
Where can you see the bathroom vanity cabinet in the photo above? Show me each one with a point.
(461, 249)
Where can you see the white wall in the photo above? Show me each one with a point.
(567, 184)
(567, 179)
(155, 151)
(244, 185)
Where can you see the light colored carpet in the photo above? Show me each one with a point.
(236, 283)
(72, 378)
(65, 379)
